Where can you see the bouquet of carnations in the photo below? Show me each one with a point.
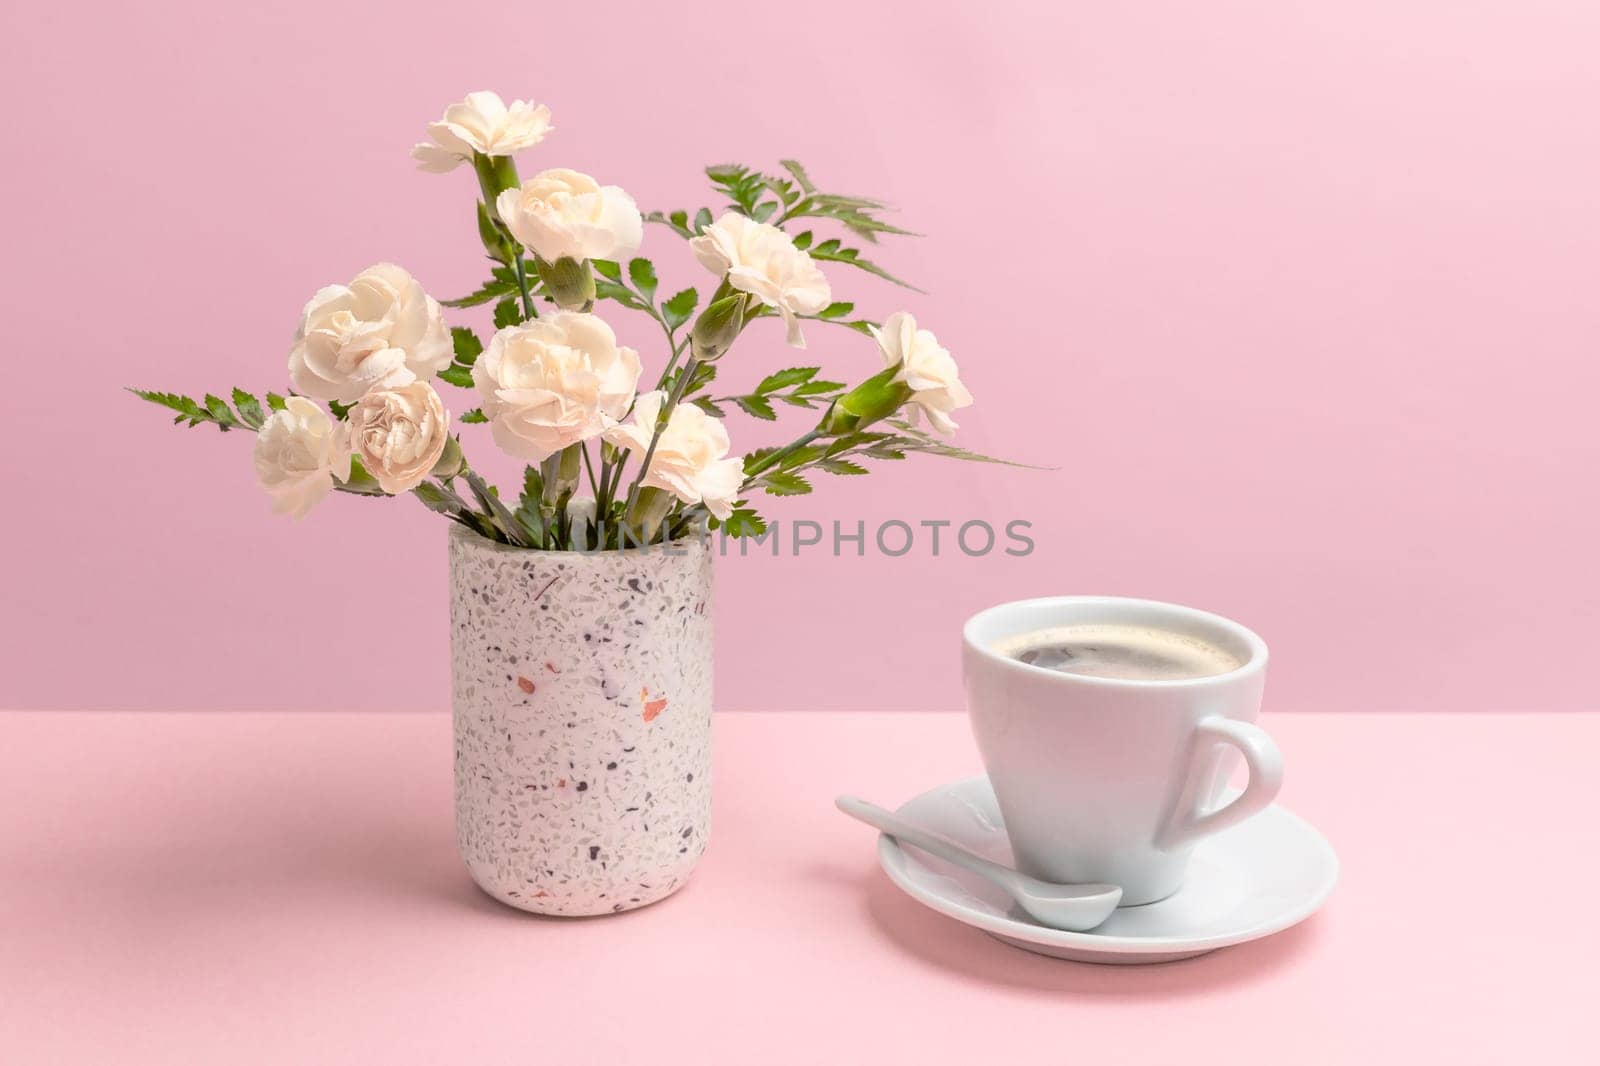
(608, 466)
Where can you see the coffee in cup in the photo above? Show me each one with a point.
(1108, 727)
(1129, 653)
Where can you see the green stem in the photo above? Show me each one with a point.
(588, 464)
(522, 282)
(616, 480)
(769, 461)
(678, 348)
(662, 419)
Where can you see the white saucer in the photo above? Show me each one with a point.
(1247, 882)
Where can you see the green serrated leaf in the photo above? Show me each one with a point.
(532, 488)
(836, 310)
(221, 413)
(680, 308)
(642, 273)
(249, 408)
(467, 345)
(507, 313)
(779, 483)
(456, 374)
(610, 290)
(341, 411)
(802, 241)
(842, 467)
(742, 522)
(757, 407)
(491, 290)
(801, 178)
(797, 375)
(832, 200)
(724, 173)
(817, 388)
(867, 227)
(435, 498)
(911, 438)
(607, 269)
(189, 410)
(275, 402)
(754, 457)
(671, 220)
(782, 188)
(702, 219)
(765, 210)
(534, 528)
(708, 407)
(704, 374)
(852, 257)
(474, 417)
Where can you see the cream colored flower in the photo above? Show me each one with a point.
(298, 453)
(562, 214)
(762, 260)
(926, 367)
(399, 434)
(481, 123)
(691, 458)
(554, 381)
(380, 330)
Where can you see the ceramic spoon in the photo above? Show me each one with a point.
(1072, 907)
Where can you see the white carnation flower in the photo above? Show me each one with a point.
(926, 367)
(482, 124)
(691, 458)
(562, 214)
(399, 434)
(554, 381)
(298, 452)
(379, 330)
(762, 260)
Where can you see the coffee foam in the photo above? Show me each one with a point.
(1132, 653)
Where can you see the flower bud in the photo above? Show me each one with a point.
(570, 282)
(451, 461)
(876, 398)
(718, 327)
(645, 516)
(560, 473)
(495, 242)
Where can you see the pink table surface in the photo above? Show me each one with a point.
(253, 888)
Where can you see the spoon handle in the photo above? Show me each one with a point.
(887, 821)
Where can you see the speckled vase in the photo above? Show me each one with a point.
(582, 698)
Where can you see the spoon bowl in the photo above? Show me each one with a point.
(1077, 908)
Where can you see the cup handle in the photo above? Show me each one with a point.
(1187, 823)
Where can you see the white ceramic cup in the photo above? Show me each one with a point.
(1103, 779)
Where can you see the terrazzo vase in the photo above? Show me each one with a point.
(582, 705)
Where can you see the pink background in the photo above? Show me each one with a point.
(1300, 298)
